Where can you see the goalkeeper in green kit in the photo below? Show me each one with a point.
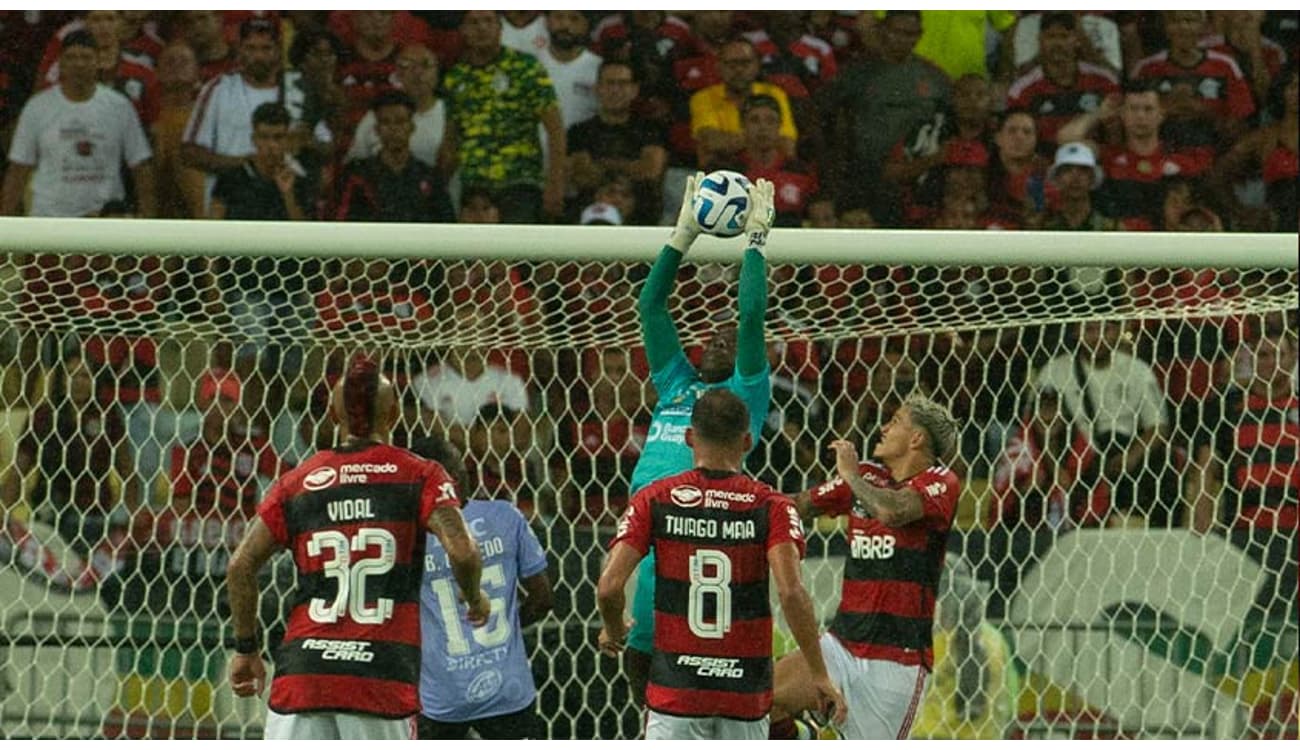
(735, 358)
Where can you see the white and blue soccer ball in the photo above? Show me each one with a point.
(721, 203)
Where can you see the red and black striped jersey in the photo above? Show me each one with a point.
(1053, 105)
(1216, 80)
(891, 574)
(1134, 183)
(713, 621)
(1258, 443)
(354, 519)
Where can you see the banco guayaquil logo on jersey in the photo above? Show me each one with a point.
(319, 479)
(686, 496)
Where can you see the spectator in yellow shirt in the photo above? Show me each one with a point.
(974, 686)
(955, 40)
(715, 110)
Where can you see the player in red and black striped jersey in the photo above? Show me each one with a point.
(716, 534)
(1205, 96)
(354, 518)
(900, 509)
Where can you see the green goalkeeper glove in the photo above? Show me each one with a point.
(761, 213)
(687, 228)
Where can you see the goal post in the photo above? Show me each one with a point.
(134, 352)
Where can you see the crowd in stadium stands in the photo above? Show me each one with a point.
(1110, 120)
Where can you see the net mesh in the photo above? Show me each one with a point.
(148, 402)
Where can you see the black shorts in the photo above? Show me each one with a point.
(521, 725)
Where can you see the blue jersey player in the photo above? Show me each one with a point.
(735, 358)
(480, 678)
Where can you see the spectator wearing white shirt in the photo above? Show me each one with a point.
(524, 31)
(572, 66)
(455, 389)
(72, 140)
(417, 74)
(1115, 399)
(1101, 34)
(219, 135)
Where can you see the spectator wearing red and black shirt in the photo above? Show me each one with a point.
(370, 65)
(1207, 100)
(1240, 37)
(794, 182)
(202, 30)
(393, 185)
(1245, 476)
(842, 30)
(1272, 152)
(1134, 170)
(793, 59)
(1061, 86)
(691, 51)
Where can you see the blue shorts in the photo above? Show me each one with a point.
(642, 635)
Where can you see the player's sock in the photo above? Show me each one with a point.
(782, 730)
(793, 729)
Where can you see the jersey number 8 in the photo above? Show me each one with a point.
(705, 584)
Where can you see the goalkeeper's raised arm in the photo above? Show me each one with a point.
(751, 342)
(658, 333)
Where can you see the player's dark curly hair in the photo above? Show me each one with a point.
(445, 452)
(360, 387)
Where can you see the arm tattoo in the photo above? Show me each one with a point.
(448, 521)
(466, 565)
(890, 507)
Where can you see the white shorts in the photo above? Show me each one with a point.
(882, 696)
(667, 727)
(335, 725)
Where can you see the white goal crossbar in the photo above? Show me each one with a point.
(538, 243)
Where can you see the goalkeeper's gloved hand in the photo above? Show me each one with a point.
(687, 228)
(761, 213)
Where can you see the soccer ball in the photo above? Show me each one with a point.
(721, 203)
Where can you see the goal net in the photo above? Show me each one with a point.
(1122, 564)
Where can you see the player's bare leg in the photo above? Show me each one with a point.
(792, 693)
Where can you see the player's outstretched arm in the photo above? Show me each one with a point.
(751, 343)
(610, 599)
(247, 672)
(797, 606)
(658, 334)
(462, 553)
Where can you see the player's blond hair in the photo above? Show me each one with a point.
(935, 420)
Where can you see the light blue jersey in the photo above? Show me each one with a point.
(472, 673)
(666, 452)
